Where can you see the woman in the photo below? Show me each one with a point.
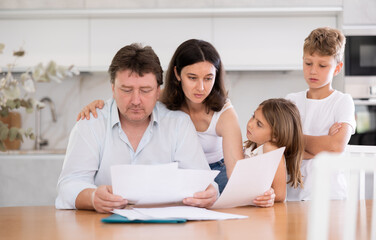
(195, 84)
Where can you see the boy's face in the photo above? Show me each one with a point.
(320, 70)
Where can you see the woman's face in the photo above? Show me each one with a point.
(197, 81)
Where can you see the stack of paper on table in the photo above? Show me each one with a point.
(158, 184)
(176, 212)
(250, 178)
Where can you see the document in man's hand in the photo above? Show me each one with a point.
(250, 178)
(158, 184)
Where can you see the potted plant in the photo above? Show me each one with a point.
(16, 93)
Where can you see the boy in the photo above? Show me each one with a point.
(327, 114)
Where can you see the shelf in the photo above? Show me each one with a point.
(368, 102)
(173, 12)
(227, 69)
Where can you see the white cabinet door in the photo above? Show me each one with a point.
(164, 35)
(66, 41)
(361, 12)
(265, 43)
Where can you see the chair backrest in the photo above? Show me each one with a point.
(323, 165)
(361, 150)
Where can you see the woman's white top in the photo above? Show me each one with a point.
(212, 143)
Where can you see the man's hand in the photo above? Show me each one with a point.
(104, 201)
(266, 200)
(202, 199)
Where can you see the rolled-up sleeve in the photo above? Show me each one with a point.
(81, 163)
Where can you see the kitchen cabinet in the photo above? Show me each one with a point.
(63, 40)
(163, 34)
(265, 43)
(29, 179)
(359, 12)
(247, 38)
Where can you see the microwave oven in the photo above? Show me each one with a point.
(360, 66)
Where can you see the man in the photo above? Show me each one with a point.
(132, 128)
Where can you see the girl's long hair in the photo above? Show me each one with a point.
(284, 119)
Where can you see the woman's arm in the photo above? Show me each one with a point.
(329, 143)
(90, 108)
(228, 128)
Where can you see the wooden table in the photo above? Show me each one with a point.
(283, 221)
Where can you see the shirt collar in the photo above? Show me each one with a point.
(115, 114)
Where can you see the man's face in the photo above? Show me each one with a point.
(135, 96)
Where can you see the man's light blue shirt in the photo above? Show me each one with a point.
(97, 144)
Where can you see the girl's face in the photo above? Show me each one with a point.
(258, 129)
(197, 81)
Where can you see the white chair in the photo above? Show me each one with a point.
(361, 150)
(324, 164)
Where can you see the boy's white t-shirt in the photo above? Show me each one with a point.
(318, 115)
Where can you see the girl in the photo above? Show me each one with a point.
(276, 123)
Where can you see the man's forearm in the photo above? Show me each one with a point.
(84, 199)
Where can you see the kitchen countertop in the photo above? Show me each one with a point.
(34, 152)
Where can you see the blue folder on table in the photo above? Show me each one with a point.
(115, 218)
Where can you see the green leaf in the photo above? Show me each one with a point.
(4, 111)
(13, 131)
(4, 131)
(19, 136)
(29, 110)
(32, 136)
(12, 92)
(2, 46)
(19, 53)
(2, 146)
(11, 103)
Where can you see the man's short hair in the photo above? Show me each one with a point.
(137, 59)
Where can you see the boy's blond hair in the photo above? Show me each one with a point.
(326, 41)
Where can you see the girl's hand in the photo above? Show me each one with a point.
(91, 108)
(334, 128)
(266, 200)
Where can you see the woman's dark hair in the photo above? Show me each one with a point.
(190, 52)
(137, 59)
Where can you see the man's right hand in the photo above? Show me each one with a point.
(104, 201)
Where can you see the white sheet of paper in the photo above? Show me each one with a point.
(158, 184)
(250, 178)
(184, 212)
